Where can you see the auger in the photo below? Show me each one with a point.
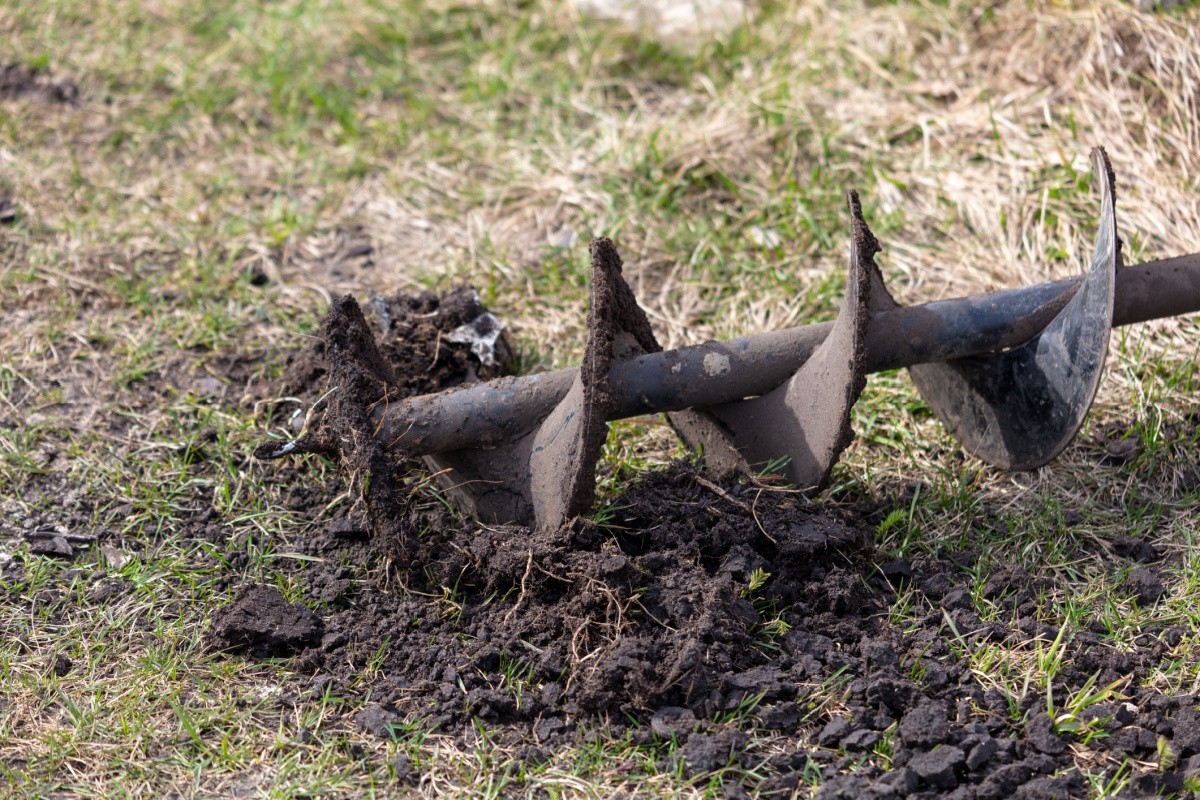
(1011, 374)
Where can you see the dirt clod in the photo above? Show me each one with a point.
(897, 571)
(56, 546)
(1120, 451)
(404, 769)
(60, 665)
(261, 622)
(925, 726)
(413, 335)
(939, 768)
(780, 716)
(706, 753)
(17, 80)
(106, 590)
(672, 720)
(1040, 732)
(378, 720)
(1145, 586)
(835, 731)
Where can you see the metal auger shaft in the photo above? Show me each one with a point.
(492, 413)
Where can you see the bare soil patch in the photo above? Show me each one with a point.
(683, 618)
(695, 616)
(17, 80)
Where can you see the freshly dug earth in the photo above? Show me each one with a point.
(654, 610)
(412, 341)
(355, 371)
(696, 608)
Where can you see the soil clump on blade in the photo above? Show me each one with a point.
(413, 345)
(415, 338)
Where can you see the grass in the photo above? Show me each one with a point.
(221, 141)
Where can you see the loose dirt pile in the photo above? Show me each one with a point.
(695, 609)
(654, 609)
(413, 340)
(356, 372)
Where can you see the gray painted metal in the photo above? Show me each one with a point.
(497, 412)
(1019, 409)
(807, 418)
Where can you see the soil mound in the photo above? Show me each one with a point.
(695, 608)
(673, 602)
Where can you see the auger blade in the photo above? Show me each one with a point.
(548, 476)
(1018, 409)
(806, 419)
(1011, 374)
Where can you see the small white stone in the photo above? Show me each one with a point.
(766, 238)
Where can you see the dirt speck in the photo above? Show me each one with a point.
(59, 665)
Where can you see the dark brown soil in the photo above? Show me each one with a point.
(261, 622)
(654, 611)
(17, 80)
(683, 617)
(649, 625)
(688, 606)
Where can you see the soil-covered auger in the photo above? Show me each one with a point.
(1010, 373)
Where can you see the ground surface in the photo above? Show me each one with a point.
(185, 188)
